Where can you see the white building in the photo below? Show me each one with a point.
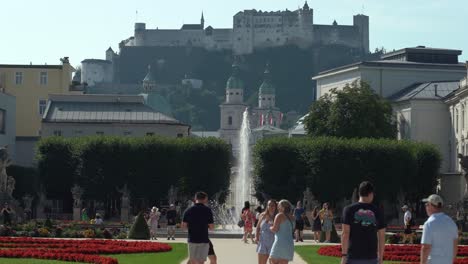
(421, 83)
(117, 115)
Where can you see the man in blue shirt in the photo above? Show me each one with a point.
(198, 219)
(440, 235)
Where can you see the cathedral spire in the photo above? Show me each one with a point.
(306, 6)
(202, 20)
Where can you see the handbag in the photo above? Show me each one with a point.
(241, 223)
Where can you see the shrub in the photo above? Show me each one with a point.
(332, 168)
(139, 229)
(107, 234)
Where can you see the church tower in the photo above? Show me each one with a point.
(149, 82)
(232, 109)
(267, 114)
(202, 21)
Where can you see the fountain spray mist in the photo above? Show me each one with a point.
(243, 192)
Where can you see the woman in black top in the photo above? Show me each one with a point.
(316, 225)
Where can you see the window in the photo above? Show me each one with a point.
(180, 135)
(2, 121)
(127, 133)
(456, 120)
(19, 78)
(58, 133)
(463, 117)
(230, 120)
(99, 133)
(42, 106)
(43, 78)
(150, 134)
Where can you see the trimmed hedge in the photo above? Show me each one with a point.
(333, 167)
(139, 229)
(149, 165)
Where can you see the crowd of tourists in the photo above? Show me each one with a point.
(275, 228)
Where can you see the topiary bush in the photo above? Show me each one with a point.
(139, 229)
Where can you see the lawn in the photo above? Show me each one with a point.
(178, 253)
(309, 254)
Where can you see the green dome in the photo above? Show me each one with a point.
(149, 76)
(234, 83)
(267, 88)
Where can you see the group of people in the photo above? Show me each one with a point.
(322, 220)
(362, 238)
(153, 221)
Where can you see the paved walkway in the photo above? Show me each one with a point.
(234, 251)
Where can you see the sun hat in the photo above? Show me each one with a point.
(404, 207)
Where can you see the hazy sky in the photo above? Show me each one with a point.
(43, 31)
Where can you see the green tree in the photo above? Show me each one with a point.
(354, 112)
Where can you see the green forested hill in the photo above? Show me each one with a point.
(292, 69)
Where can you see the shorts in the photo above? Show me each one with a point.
(211, 251)
(408, 230)
(362, 261)
(198, 251)
(299, 225)
(171, 228)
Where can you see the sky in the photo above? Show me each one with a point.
(44, 31)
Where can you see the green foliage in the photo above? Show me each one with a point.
(26, 180)
(139, 229)
(333, 167)
(354, 112)
(149, 165)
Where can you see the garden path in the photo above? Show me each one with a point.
(234, 251)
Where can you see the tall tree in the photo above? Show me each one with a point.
(354, 112)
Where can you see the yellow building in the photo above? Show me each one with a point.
(31, 85)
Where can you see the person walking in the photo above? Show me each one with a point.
(299, 213)
(408, 233)
(363, 236)
(440, 235)
(263, 235)
(153, 222)
(316, 224)
(248, 217)
(171, 222)
(282, 250)
(326, 216)
(6, 212)
(198, 219)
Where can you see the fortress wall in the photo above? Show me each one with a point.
(173, 37)
(344, 35)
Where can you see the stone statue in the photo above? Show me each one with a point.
(27, 200)
(464, 165)
(125, 196)
(4, 163)
(308, 199)
(172, 195)
(76, 191)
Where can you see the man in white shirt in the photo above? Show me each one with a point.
(440, 235)
(408, 233)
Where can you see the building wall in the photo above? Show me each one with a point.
(116, 129)
(8, 123)
(387, 81)
(336, 81)
(94, 71)
(29, 93)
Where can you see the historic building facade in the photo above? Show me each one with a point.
(257, 29)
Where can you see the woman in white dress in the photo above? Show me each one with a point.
(153, 221)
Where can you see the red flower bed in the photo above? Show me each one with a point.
(74, 250)
(405, 253)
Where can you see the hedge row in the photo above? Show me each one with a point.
(149, 166)
(333, 167)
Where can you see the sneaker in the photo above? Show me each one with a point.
(173, 238)
(302, 240)
(168, 238)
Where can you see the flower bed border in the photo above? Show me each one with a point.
(404, 253)
(86, 250)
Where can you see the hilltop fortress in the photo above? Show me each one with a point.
(254, 29)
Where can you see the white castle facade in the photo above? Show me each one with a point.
(256, 29)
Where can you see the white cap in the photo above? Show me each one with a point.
(434, 199)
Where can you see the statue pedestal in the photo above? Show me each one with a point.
(76, 214)
(124, 215)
